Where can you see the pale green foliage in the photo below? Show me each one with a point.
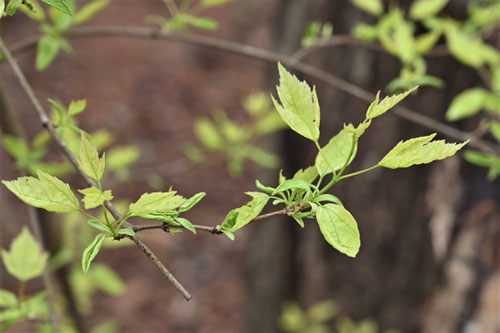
(156, 202)
(93, 197)
(89, 160)
(48, 48)
(214, 3)
(419, 151)
(46, 192)
(59, 4)
(89, 11)
(377, 108)
(7, 299)
(191, 202)
(299, 105)
(466, 47)
(423, 9)
(308, 174)
(25, 259)
(339, 228)
(315, 31)
(470, 102)
(339, 151)
(240, 217)
(485, 160)
(374, 7)
(91, 251)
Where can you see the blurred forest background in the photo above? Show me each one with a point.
(430, 235)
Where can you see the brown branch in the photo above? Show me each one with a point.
(69, 155)
(269, 56)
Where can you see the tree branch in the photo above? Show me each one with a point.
(269, 56)
(48, 125)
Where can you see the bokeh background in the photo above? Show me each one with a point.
(430, 235)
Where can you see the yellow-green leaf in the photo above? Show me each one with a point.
(248, 212)
(25, 260)
(423, 9)
(156, 202)
(47, 192)
(94, 197)
(419, 151)
(91, 251)
(335, 155)
(374, 7)
(299, 105)
(377, 109)
(90, 10)
(339, 228)
(59, 4)
(466, 104)
(89, 160)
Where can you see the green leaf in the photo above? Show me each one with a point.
(205, 23)
(191, 202)
(156, 202)
(47, 192)
(339, 228)
(251, 210)
(308, 174)
(229, 234)
(423, 9)
(213, 3)
(186, 224)
(300, 109)
(91, 251)
(126, 231)
(100, 226)
(59, 4)
(336, 153)
(467, 48)
(7, 299)
(208, 135)
(377, 109)
(485, 160)
(25, 260)
(329, 198)
(107, 280)
(13, 6)
(89, 11)
(230, 220)
(2, 7)
(48, 48)
(374, 7)
(119, 158)
(76, 107)
(495, 130)
(292, 184)
(419, 151)
(426, 42)
(263, 158)
(89, 160)
(262, 187)
(94, 197)
(165, 218)
(466, 104)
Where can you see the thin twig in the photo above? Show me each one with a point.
(48, 125)
(269, 56)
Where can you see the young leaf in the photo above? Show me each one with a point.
(100, 226)
(7, 299)
(329, 198)
(47, 192)
(76, 107)
(230, 220)
(205, 23)
(339, 228)
(13, 6)
(467, 48)
(466, 104)
(208, 134)
(229, 234)
(126, 231)
(377, 109)
(292, 184)
(423, 9)
(165, 218)
(299, 105)
(186, 224)
(25, 260)
(308, 174)
(262, 187)
(91, 251)
(246, 213)
(89, 160)
(48, 48)
(90, 10)
(156, 202)
(374, 7)
(419, 151)
(336, 153)
(213, 3)
(191, 202)
(93, 197)
(59, 4)
(299, 221)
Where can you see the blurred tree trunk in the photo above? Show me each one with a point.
(409, 219)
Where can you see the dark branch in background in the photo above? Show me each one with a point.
(9, 124)
(269, 56)
(48, 125)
